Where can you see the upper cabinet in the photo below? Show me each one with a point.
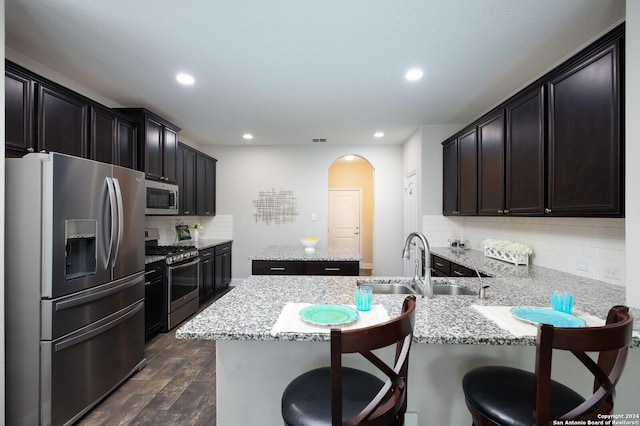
(585, 162)
(63, 120)
(19, 91)
(556, 148)
(159, 142)
(197, 182)
(524, 155)
(44, 116)
(491, 165)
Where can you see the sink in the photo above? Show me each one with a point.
(452, 290)
(388, 286)
(394, 286)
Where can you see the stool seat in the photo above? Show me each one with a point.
(307, 400)
(501, 393)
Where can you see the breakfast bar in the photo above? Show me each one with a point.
(453, 334)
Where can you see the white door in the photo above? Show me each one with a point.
(410, 217)
(344, 218)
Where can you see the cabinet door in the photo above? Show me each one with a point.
(584, 137)
(450, 177)
(127, 144)
(467, 173)
(210, 188)
(207, 274)
(19, 92)
(525, 154)
(103, 135)
(153, 150)
(62, 122)
(170, 152)
(491, 165)
(222, 271)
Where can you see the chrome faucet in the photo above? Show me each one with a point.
(481, 291)
(425, 285)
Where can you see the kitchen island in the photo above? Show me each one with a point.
(295, 260)
(451, 336)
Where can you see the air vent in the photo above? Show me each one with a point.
(318, 140)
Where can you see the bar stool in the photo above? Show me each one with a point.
(510, 396)
(338, 395)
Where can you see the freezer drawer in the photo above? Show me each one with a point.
(66, 314)
(111, 349)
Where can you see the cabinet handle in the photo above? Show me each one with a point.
(458, 273)
(456, 212)
(273, 268)
(331, 269)
(500, 212)
(206, 255)
(439, 264)
(187, 212)
(547, 210)
(29, 149)
(506, 211)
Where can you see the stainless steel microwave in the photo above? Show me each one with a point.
(162, 198)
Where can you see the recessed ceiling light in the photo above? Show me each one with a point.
(185, 79)
(414, 74)
(378, 134)
(247, 136)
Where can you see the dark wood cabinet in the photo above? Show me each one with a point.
(585, 150)
(560, 151)
(491, 165)
(524, 161)
(158, 144)
(441, 267)
(460, 174)
(468, 173)
(205, 185)
(19, 112)
(62, 121)
(113, 138)
(153, 298)
(207, 273)
(186, 172)
(222, 275)
(303, 267)
(450, 177)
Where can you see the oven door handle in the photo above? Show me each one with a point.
(184, 265)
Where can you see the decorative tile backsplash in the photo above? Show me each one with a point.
(589, 247)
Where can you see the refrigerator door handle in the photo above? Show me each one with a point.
(116, 185)
(112, 207)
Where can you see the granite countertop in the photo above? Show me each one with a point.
(202, 244)
(249, 311)
(290, 253)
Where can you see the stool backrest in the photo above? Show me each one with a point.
(610, 341)
(391, 400)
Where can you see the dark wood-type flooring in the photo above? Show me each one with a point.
(177, 387)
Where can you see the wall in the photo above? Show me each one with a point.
(632, 194)
(244, 171)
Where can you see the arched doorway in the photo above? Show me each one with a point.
(351, 194)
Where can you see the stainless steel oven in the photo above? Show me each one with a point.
(182, 286)
(181, 292)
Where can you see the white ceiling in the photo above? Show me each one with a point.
(292, 70)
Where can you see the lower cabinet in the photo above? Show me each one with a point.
(304, 267)
(207, 273)
(215, 270)
(441, 267)
(153, 291)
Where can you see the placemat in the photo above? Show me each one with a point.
(289, 320)
(501, 315)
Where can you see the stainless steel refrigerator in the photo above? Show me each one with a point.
(74, 285)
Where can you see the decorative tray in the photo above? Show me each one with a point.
(328, 314)
(515, 258)
(537, 315)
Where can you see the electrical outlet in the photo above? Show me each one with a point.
(612, 273)
(583, 265)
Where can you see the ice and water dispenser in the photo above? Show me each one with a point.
(81, 249)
